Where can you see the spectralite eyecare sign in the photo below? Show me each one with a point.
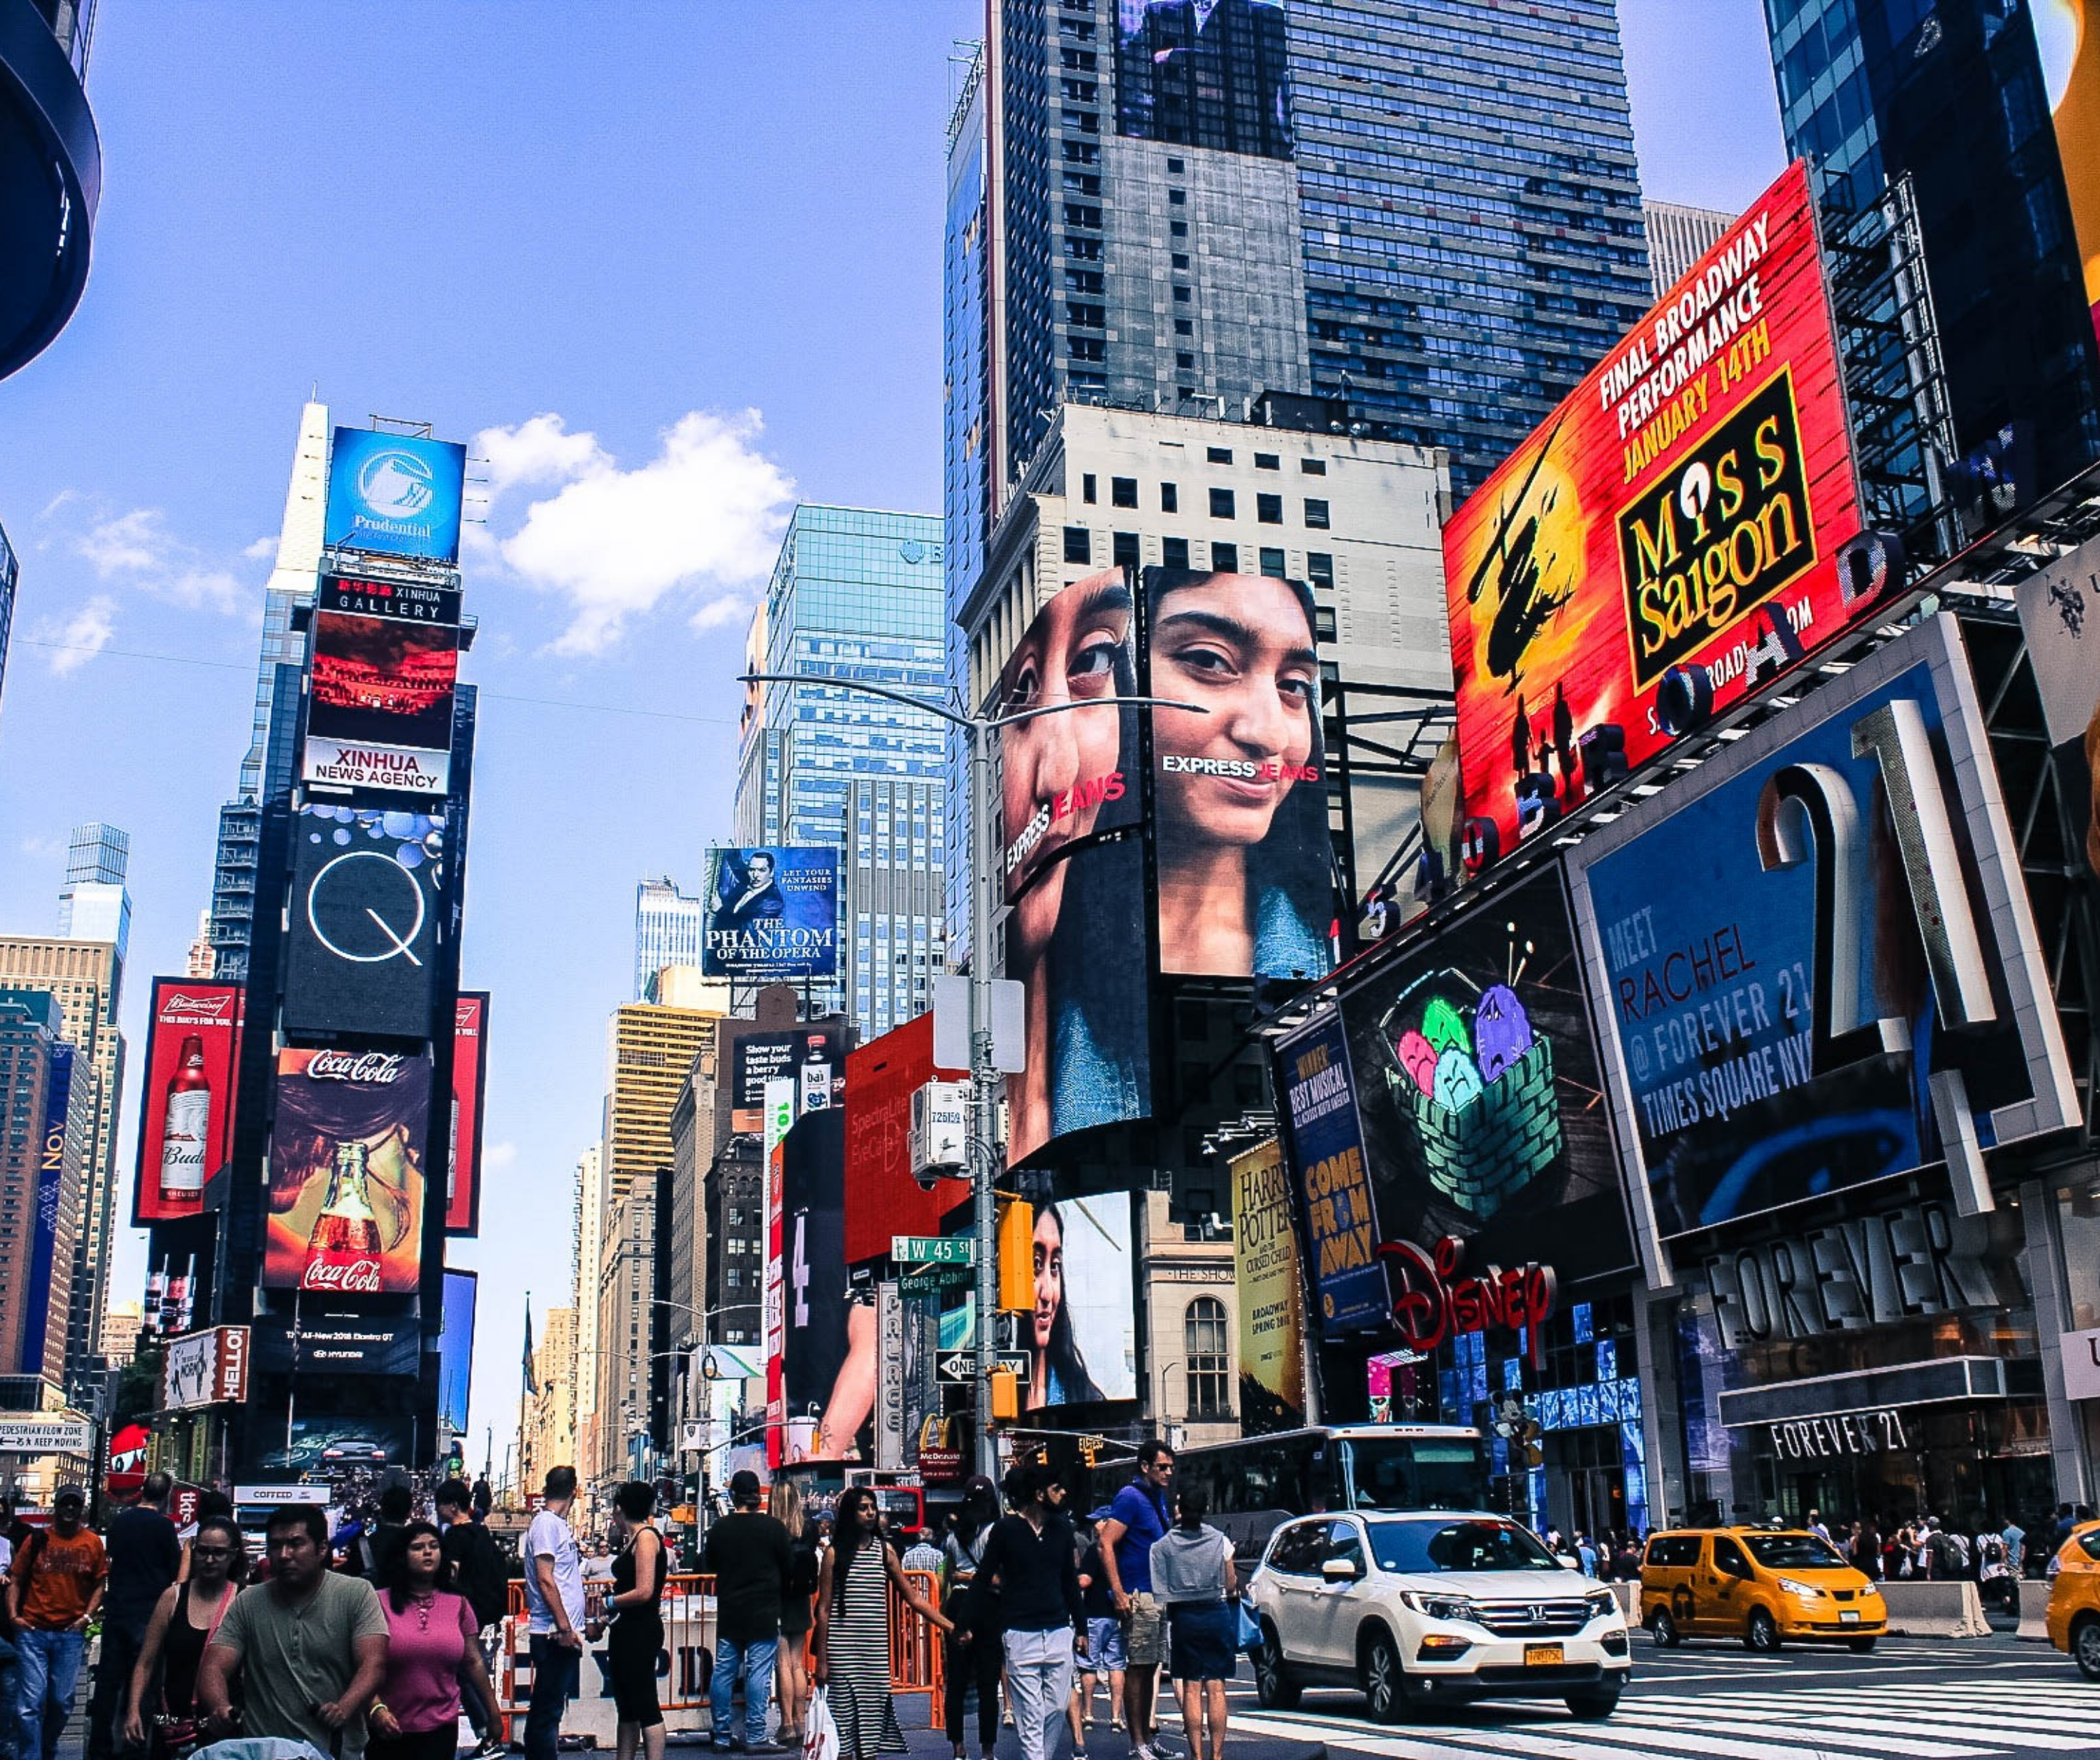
(1816, 955)
(1674, 528)
(186, 1126)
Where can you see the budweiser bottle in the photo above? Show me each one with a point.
(343, 1257)
(185, 1130)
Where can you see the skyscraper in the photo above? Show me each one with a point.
(1678, 237)
(41, 1161)
(93, 905)
(649, 1051)
(668, 929)
(294, 578)
(11, 572)
(856, 594)
(1429, 222)
(1953, 93)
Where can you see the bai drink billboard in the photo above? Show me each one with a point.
(185, 1128)
(347, 1178)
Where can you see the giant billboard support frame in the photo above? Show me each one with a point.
(1932, 835)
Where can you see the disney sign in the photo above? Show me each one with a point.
(1433, 1301)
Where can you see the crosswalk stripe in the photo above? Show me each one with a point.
(1954, 1707)
(2032, 1732)
(1867, 1733)
(1416, 1747)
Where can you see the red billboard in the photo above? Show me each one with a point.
(185, 1115)
(380, 715)
(470, 1088)
(1666, 541)
(882, 1198)
(347, 1161)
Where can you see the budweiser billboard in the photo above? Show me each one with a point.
(469, 1086)
(185, 1115)
(346, 1181)
(1675, 534)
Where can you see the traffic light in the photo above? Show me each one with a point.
(1005, 1395)
(1016, 1256)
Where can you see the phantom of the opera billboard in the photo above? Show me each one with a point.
(1814, 958)
(772, 914)
(346, 1181)
(1443, 1125)
(1673, 535)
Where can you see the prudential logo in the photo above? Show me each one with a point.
(395, 495)
(396, 486)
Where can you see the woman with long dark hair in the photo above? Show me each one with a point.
(1240, 799)
(638, 1622)
(181, 1624)
(852, 1626)
(1058, 1373)
(431, 1633)
(972, 1610)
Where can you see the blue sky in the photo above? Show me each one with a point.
(660, 257)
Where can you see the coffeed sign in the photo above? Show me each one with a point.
(1917, 1261)
(1841, 1434)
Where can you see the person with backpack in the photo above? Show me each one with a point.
(54, 1592)
(479, 1573)
(1993, 1577)
(798, 1610)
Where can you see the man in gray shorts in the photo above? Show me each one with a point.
(1141, 1514)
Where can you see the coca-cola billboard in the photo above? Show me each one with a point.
(470, 1086)
(347, 1157)
(186, 1113)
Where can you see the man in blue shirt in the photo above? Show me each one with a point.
(1141, 1514)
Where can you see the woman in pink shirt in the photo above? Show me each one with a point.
(431, 1633)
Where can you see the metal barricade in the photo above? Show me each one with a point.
(917, 1657)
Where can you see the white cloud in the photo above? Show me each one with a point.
(82, 636)
(498, 1155)
(701, 520)
(43, 848)
(718, 614)
(264, 549)
(137, 548)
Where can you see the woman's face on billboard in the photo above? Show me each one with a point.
(1238, 645)
(1049, 1275)
(1057, 767)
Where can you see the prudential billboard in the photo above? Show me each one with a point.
(395, 495)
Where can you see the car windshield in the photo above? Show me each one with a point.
(1415, 1547)
(1417, 1472)
(1793, 1551)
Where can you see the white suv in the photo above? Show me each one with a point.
(1421, 1608)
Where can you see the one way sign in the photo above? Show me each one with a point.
(962, 1365)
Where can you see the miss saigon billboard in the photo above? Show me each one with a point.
(1675, 534)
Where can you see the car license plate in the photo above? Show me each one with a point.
(1848, 1617)
(1543, 1656)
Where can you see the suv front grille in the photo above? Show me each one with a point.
(1535, 1619)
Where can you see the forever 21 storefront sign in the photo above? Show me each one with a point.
(1858, 1432)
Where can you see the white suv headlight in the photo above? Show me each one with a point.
(1794, 1586)
(1441, 1607)
(1601, 1602)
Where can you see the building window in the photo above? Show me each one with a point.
(1221, 504)
(1184, 327)
(1087, 488)
(1225, 558)
(1078, 544)
(1181, 260)
(1182, 296)
(1272, 564)
(1269, 509)
(1177, 198)
(1267, 461)
(1125, 549)
(1178, 228)
(1218, 455)
(1123, 491)
(1173, 166)
(1320, 568)
(1210, 1364)
(1174, 551)
(1313, 466)
(1184, 361)
(1170, 498)
(1324, 627)
(1316, 515)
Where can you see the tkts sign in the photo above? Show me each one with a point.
(1676, 534)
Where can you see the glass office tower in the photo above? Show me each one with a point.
(1952, 91)
(856, 595)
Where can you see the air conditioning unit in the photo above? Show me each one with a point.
(940, 1131)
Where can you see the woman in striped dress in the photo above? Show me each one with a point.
(852, 1659)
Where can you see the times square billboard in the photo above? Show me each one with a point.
(1813, 957)
(1671, 537)
(395, 495)
(384, 674)
(1225, 780)
(186, 1127)
(772, 914)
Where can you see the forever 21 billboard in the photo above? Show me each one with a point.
(367, 903)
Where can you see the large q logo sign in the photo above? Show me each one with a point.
(396, 485)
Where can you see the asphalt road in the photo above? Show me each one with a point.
(1913, 1699)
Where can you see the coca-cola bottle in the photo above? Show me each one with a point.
(342, 1256)
(185, 1131)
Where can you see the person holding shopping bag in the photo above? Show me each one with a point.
(851, 1660)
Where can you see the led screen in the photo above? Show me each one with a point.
(347, 1159)
(185, 1128)
(455, 1350)
(1815, 954)
(830, 1347)
(367, 900)
(772, 914)
(809, 1058)
(395, 495)
(1213, 73)
(1269, 1279)
(2068, 31)
(469, 1092)
(882, 1198)
(1670, 537)
(1081, 1338)
(1241, 841)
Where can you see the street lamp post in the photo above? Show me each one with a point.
(987, 1153)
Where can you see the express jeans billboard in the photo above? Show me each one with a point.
(773, 914)
(1816, 954)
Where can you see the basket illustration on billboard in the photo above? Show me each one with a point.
(1474, 1086)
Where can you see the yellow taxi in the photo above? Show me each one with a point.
(2074, 1599)
(1765, 1585)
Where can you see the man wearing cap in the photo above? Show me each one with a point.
(748, 1554)
(54, 1592)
